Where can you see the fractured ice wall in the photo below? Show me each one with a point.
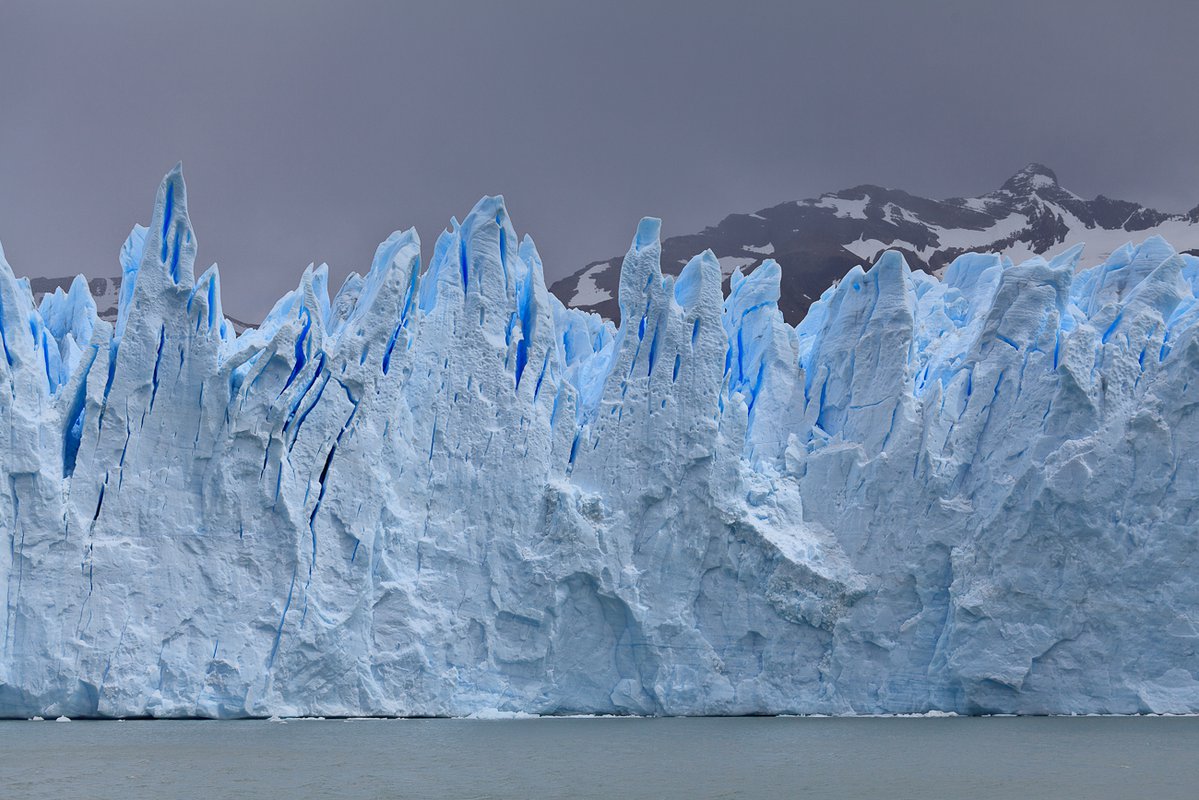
(442, 492)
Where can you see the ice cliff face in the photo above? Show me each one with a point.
(442, 492)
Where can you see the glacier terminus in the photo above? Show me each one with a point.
(439, 491)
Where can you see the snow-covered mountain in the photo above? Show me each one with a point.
(817, 241)
(441, 492)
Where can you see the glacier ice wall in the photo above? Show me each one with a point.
(441, 492)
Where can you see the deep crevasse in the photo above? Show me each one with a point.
(445, 493)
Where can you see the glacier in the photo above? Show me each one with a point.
(439, 491)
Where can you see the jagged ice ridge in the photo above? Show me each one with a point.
(444, 493)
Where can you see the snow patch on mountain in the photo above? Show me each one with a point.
(730, 263)
(588, 293)
(845, 207)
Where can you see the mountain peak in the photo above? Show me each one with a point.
(1033, 176)
(816, 241)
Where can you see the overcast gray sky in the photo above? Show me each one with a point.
(309, 131)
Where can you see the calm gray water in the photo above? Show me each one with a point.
(1093, 758)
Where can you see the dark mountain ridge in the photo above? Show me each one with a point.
(817, 241)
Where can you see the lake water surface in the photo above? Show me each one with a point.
(1094, 758)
